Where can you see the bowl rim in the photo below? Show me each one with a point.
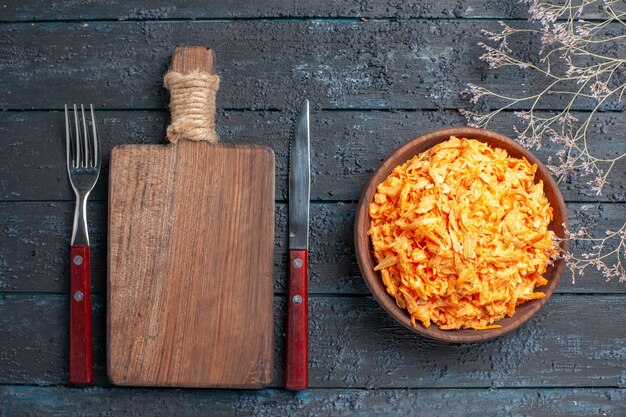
(363, 244)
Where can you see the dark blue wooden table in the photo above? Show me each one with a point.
(377, 72)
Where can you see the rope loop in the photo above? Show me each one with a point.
(192, 106)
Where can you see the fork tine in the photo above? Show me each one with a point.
(96, 143)
(67, 137)
(87, 160)
(77, 139)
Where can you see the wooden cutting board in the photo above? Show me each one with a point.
(190, 260)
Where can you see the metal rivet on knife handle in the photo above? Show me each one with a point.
(78, 296)
(297, 299)
(297, 263)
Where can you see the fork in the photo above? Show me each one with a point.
(83, 167)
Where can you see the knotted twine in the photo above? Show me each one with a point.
(192, 105)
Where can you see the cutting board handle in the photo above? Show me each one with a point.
(186, 59)
(193, 86)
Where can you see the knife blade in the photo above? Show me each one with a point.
(297, 360)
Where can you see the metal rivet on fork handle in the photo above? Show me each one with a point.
(78, 296)
(78, 260)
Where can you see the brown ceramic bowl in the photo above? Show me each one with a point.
(367, 262)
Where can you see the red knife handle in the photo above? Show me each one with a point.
(81, 361)
(297, 361)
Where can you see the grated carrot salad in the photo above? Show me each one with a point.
(460, 234)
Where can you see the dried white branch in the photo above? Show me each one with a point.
(582, 62)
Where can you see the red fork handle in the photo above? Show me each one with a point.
(297, 361)
(81, 361)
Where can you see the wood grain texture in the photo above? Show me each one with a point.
(106, 402)
(34, 247)
(347, 146)
(187, 59)
(575, 340)
(403, 64)
(191, 265)
(297, 355)
(191, 241)
(81, 354)
(190, 291)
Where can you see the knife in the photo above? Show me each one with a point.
(297, 361)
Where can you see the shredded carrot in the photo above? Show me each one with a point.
(460, 234)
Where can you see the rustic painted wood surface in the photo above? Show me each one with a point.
(198, 9)
(374, 83)
(378, 64)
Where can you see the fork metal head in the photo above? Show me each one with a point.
(82, 151)
(82, 146)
